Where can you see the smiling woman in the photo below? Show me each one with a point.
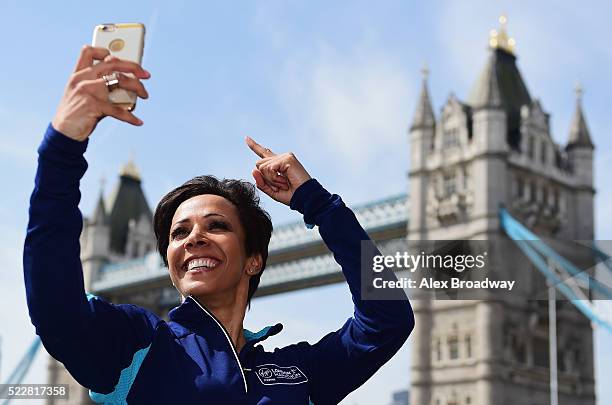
(213, 236)
(209, 218)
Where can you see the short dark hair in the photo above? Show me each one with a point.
(254, 219)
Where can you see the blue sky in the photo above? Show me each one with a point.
(335, 83)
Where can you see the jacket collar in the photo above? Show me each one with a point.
(263, 334)
(200, 320)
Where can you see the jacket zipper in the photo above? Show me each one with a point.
(246, 389)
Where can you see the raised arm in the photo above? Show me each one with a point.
(95, 340)
(342, 360)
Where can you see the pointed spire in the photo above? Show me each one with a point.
(99, 216)
(501, 85)
(423, 116)
(130, 169)
(486, 92)
(127, 201)
(579, 135)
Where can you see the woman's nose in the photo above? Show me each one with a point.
(195, 239)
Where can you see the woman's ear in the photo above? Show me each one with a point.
(254, 265)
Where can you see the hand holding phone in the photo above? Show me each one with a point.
(123, 41)
(86, 96)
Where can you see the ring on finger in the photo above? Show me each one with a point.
(268, 150)
(111, 81)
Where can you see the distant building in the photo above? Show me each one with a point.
(401, 398)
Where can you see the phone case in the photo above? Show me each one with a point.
(125, 41)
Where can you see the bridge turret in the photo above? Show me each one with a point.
(421, 135)
(579, 150)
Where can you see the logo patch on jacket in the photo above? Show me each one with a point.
(271, 374)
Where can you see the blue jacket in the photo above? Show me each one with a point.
(127, 354)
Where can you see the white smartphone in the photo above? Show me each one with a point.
(125, 41)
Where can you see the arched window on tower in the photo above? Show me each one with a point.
(540, 351)
(530, 147)
(438, 350)
(556, 199)
(466, 178)
(450, 138)
(453, 347)
(520, 188)
(519, 348)
(449, 183)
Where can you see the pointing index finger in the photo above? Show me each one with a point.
(257, 148)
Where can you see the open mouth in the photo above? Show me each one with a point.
(202, 264)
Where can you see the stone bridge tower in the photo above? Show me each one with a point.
(496, 148)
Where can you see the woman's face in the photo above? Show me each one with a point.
(206, 255)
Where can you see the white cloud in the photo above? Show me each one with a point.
(351, 102)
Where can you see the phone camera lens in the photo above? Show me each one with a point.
(108, 27)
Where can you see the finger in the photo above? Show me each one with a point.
(270, 170)
(119, 65)
(264, 160)
(272, 177)
(135, 85)
(277, 166)
(275, 179)
(281, 182)
(263, 185)
(258, 149)
(120, 114)
(88, 55)
(99, 90)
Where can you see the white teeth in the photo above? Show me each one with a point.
(202, 262)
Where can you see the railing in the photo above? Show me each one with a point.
(371, 216)
(124, 274)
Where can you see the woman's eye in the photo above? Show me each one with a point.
(178, 233)
(218, 225)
